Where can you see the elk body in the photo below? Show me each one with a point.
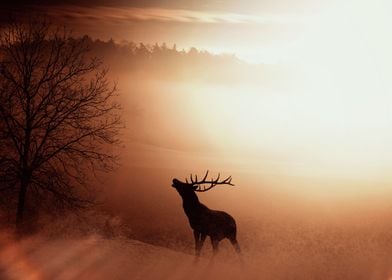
(204, 221)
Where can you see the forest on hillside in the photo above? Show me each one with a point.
(163, 62)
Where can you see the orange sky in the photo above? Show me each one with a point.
(334, 120)
(257, 31)
(307, 138)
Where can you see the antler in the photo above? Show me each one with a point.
(212, 182)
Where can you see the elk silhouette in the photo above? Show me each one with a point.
(204, 221)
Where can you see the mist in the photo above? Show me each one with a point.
(306, 207)
(299, 215)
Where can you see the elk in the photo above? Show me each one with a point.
(204, 221)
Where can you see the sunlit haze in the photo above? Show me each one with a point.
(293, 99)
(329, 116)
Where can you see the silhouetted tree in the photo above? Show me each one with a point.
(57, 117)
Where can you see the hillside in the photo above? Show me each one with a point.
(98, 258)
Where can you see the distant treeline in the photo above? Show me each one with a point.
(160, 61)
(156, 51)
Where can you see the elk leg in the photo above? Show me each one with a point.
(215, 244)
(198, 243)
(235, 244)
(201, 241)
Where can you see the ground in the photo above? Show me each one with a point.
(95, 257)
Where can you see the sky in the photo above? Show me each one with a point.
(337, 118)
(326, 136)
(256, 31)
(339, 109)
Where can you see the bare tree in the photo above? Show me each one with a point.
(58, 116)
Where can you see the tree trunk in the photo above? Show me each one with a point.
(21, 202)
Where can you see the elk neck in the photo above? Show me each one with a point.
(189, 198)
(190, 201)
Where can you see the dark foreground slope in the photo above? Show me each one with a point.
(97, 258)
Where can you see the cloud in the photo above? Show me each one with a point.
(126, 14)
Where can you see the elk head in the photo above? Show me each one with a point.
(196, 185)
